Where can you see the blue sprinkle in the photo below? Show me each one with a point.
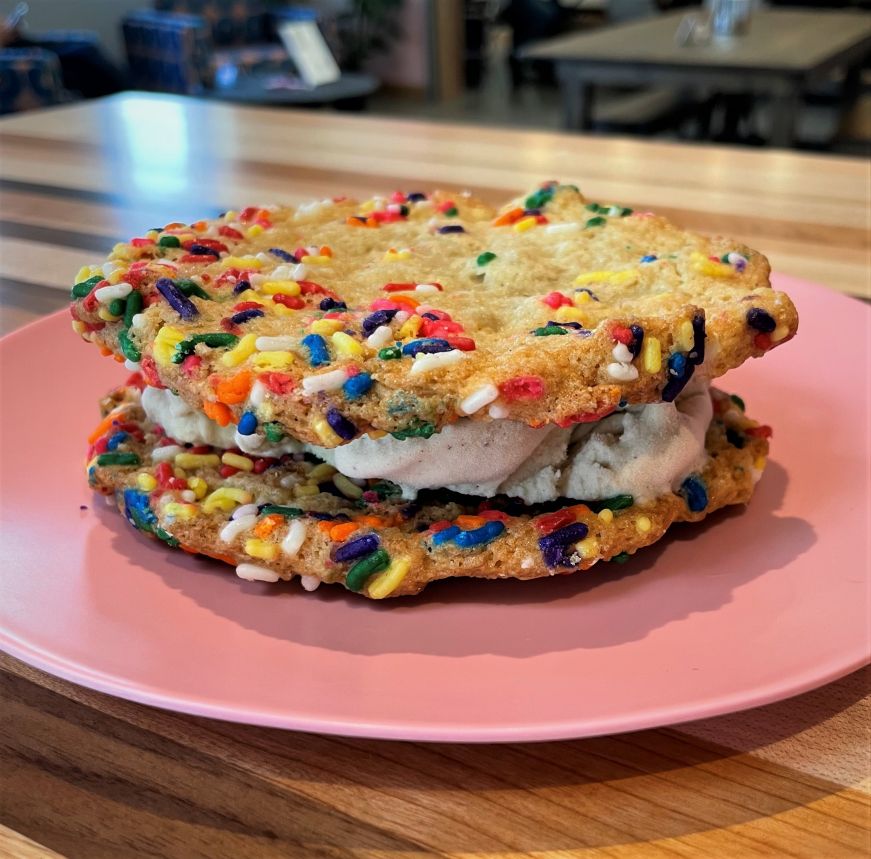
(357, 386)
(555, 556)
(445, 536)
(317, 349)
(378, 318)
(564, 536)
(203, 250)
(680, 371)
(116, 439)
(697, 353)
(480, 536)
(416, 197)
(241, 286)
(246, 315)
(364, 545)
(759, 320)
(179, 302)
(427, 345)
(451, 228)
(649, 258)
(247, 424)
(430, 316)
(637, 340)
(331, 304)
(341, 425)
(282, 254)
(695, 493)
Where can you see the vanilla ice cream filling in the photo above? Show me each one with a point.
(644, 451)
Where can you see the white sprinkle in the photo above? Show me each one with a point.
(310, 583)
(299, 272)
(245, 510)
(622, 354)
(426, 363)
(381, 336)
(292, 543)
(255, 573)
(275, 344)
(281, 272)
(165, 453)
(235, 527)
(250, 442)
(189, 496)
(257, 394)
(479, 398)
(109, 267)
(622, 372)
(265, 258)
(404, 316)
(132, 366)
(498, 411)
(331, 381)
(109, 500)
(563, 228)
(526, 563)
(289, 480)
(138, 320)
(163, 263)
(105, 294)
(427, 288)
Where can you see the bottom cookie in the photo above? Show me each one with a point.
(274, 519)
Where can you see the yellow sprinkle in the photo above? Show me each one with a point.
(569, 314)
(280, 309)
(234, 460)
(588, 548)
(615, 278)
(525, 224)
(146, 481)
(583, 298)
(164, 344)
(779, 333)
(152, 234)
(346, 346)
(326, 327)
(325, 433)
(643, 524)
(606, 515)
(253, 230)
(409, 328)
(117, 276)
(241, 262)
(377, 433)
(272, 360)
(250, 295)
(185, 512)
(79, 327)
(261, 549)
(226, 498)
(124, 252)
(83, 274)
(230, 215)
(683, 340)
(303, 489)
(322, 471)
(280, 287)
(180, 473)
(394, 255)
(316, 260)
(104, 314)
(198, 486)
(197, 460)
(759, 463)
(388, 581)
(710, 267)
(651, 355)
(346, 487)
(243, 350)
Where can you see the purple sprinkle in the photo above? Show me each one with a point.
(341, 425)
(283, 254)
(531, 213)
(427, 345)
(430, 316)
(241, 286)
(177, 299)
(376, 319)
(331, 304)
(416, 197)
(246, 315)
(451, 228)
(83, 506)
(759, 320)
(364, 545)
(555, 556)
(564, 536)
(637, 340)
(697, 353)
(203, 250)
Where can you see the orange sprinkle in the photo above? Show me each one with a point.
(342, 531)
(326, 251)
(405, 299)
(200, 226)
(106, 352)
(104, 426)
(218, 412)
(235, 389)
(325, 526)
(508, 217)
(218, 557)
(267, 525)
(469, 523)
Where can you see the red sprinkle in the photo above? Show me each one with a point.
(760, 341)
(247, 305)
(142, 243)
(203, 259)
(762, 431)
(309, 287)
(440, 526)
(464, 344)
(214, 244)
(229, 326)
(583, 418)
(559, 519)
(135, 380)
(622, 334)
(292, 301)
(190, 365)
(398, 287)
(149, 372)
(227, 471)
(556, 299)
(491, 515)
(260, 465)
(229, 233)
(278, 383)
(522, 388)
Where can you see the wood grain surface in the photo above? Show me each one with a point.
(87, 775)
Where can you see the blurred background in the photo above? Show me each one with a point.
(792, 74)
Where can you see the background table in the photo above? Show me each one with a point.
(783, 52)
(92, 776)
(261, 89)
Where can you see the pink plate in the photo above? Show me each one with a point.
(748, 608)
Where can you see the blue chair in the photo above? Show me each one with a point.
(30, 78)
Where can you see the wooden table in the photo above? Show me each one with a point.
(784, 51)
(91, 776)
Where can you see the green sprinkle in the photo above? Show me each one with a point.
(80, 290)
(738, 402)
(118, 459)
(274, 431)
(485, 258)
(622, 558)
(617, 502)
(597, 222)
(452, 212)
(540, 198)
(548, 330)
(128, 347)
(386, 489)
(117, 306)
(365, 568)
(388, 353)
(287, 512)
(169, 242)
(165, 536)
(213, 341)
(132, 307)
(191, 287)
(415, 430)
(593, 207)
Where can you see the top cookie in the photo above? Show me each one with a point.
(402, 314)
